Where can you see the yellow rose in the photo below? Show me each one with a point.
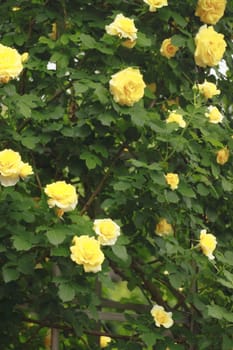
(223, 156)
(176, 118)
(10, 63)
(155, 4)
(210, 11)
(129, 43)
(207, 243)
(123, 27)
(208, 90)
(107, 231)
(210, 47)
(12, 168)
(167, 49)
(25, 171)
(86, 251)
(172, 180)
(127, 86)
(104, 341)
(214, 115)
(162, 317)
(163, 228)
(62, 195)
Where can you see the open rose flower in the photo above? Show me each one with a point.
(207, 243)
(172, 180)
(155, 4)
(11, 63)
(210, 47)
(86, 251)
(176, 118)
(163, 228)
(162, 317)
(61, 195)
(127, 86)
(210, 11)
(12, 168)
(167, 49)
(214, 115)
(208, 89)
(123, 27)
(107, 231)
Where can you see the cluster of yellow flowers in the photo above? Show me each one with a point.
(12, 168)
(127, 86)
(87, 251)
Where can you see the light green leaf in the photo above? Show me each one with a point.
(56, 236)
(120, 251)
(66, 292)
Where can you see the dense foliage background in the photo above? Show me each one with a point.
(60, 116)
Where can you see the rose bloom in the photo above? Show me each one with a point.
(176, 118)
(107, 231)
(155, 4)
(210, 11)
(172, 180)
(127, 86)
(167, 49)
(10, 63)
(163, 228)
(123, 27)
(12, 168)
(161, 317)
(104, 341)
(208, 90)
(207, 243)
(86, 251)
(223, 156)
(214, 115)
(62, 195)
(210, 47)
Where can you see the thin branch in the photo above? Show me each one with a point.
(102, 181)
(48, 324)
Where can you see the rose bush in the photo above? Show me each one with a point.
(102, 151)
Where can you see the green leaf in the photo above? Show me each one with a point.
(10, 274)
(66, 292)
(20, 243)
(91, 160)
(120, 251)
(56, 236)
(219, 313)
(150, 338)
(88, 41)
(171, 197)
(186, 191)
(143, 40)
(178, 40)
